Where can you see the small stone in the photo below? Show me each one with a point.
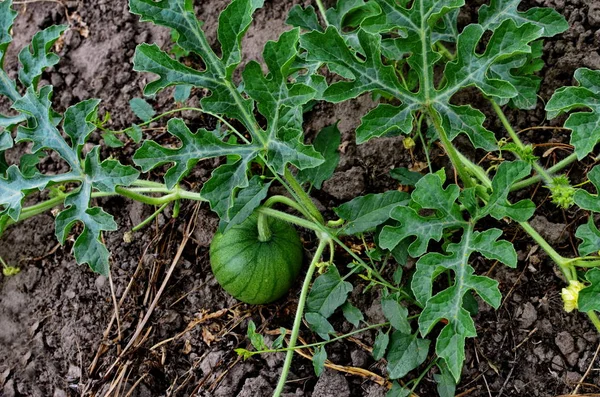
(527, 315)
(256, 387)
(359, 358)
(59, 393)
(9, 389)
(100, 282)
(572, 378)
(332, 384)
(56, 80)
(572, 359)
(558, 364)
(565, 342)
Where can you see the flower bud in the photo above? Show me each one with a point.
(570, 295)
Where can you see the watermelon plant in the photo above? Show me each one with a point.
(409, 55)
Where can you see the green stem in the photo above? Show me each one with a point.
(594, 319)
(299, 314)
(587, 262)
(552, 170)
(444, 51)
(318, 344)
(562, 262)
(37, 209)
(336, 223)
(271, 201)
(322, 11)
(425, 146)
(133, 193)
(475, 170)
(264, 232)
(303, 197)
(292, 219)
(422, 375)
(555, 256)
(150, 218)
(450, 150)
(513, 135)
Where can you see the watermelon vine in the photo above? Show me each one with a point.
(413, 57)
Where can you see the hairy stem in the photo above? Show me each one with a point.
(594, 319)
(536, 178)
(299, 314)
(138, 194)
(264, 232)
(146, 221)
(450, 150)
(304, 198)
(322, 11)
(271, 201)
(544, 174)
(292, 219)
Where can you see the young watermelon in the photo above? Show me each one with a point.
(254, 271)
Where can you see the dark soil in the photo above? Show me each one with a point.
(55, 336)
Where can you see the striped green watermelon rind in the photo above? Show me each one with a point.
(252, 271)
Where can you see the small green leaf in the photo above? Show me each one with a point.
(319, 359)
(88, 246)
(37, 57)
(448, 304)
(590, 238)
(28, 164)
(320, 325)
(406, 352)
(142, 109)
(330, 47)
(352, 314)
(492, 15)
(385, 120)
(467, 120)
(585, 200)
(588, 297)
(257, 340)
(247, 201)
(234, 21)
(367, 212)
(398, 391)
(326, 143)
(380, 346)
(429, 194)
(105, 176)
(406, 177)
(498, 206)
(149, 58)
(7, 17)
(13, 188)
(396, 314)
(182, 93)
(219, 190)
(111, 140)
(445, 384)
(78, 123)
(41, 126)
(329, 291)
(305, 18)
(585, 96)
(278, 343)
(135, 133)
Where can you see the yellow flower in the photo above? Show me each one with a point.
(409, 143)
(570, 295)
